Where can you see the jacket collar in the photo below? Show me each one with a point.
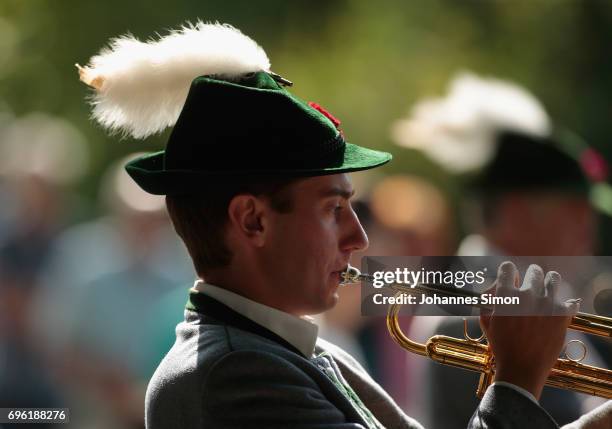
(223, 306)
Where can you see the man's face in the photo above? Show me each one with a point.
(308, 247)
(547, 224)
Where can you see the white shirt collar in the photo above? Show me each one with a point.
(299, 332)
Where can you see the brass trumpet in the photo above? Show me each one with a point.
(472, 354)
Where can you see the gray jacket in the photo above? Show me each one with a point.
(225, 371)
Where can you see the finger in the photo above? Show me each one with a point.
(534, 281)
(552, 283)
(507, 279)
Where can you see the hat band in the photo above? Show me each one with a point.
(216, 158)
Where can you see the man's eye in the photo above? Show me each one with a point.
(339, 208)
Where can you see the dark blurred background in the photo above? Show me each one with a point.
(92, 279)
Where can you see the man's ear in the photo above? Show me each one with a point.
(246, 213)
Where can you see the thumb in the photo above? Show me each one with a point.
(571, 306)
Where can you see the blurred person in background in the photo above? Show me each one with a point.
(416, 213)
(40, 157)
(97, 304)
(533, 195)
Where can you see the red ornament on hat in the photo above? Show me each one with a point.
(594, 165)
(328, 115)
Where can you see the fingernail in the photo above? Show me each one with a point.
(573, 304)
(535, 269)
(553, 278)
(506, 268)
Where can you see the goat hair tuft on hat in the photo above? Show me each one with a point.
(141, 87)
(230, 115)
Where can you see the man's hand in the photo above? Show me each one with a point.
(599, 418)
(526, 347)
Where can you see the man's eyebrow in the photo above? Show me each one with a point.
(333, 192)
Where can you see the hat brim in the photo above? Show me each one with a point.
(149, 173)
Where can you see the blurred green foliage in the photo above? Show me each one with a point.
(365, 61)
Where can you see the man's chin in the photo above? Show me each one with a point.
(333, 299)
(330, 303)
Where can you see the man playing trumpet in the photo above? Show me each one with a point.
(256, 185)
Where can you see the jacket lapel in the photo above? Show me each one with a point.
(215, 312)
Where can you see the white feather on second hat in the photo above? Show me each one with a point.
(457, 131)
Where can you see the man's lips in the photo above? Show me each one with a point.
(337, 275)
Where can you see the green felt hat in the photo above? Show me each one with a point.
(250, 126)
(524, 162)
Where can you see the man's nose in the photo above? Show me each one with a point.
(356, 238)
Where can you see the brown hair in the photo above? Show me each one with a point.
(200, 219)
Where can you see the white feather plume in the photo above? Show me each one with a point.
(140, 88)
(457, 130)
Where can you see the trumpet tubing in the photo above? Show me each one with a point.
(471, 354)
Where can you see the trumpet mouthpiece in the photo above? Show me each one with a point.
(351, 275)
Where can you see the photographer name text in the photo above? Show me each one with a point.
(484, 299)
